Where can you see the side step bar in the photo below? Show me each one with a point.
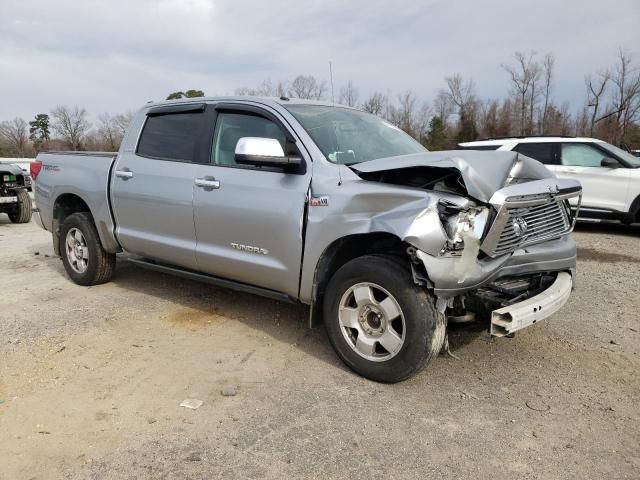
(218, 282)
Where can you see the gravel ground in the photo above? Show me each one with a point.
(91, 381)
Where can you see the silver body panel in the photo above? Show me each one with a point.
(261, 211)
(161, 212)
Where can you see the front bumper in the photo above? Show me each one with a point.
(453, 276)
(5, 200)
(510, 319)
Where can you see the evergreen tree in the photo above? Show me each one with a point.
(186, 94)
(39, 132)
(437, 134)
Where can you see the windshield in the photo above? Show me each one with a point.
(626, 156)
(348, 136)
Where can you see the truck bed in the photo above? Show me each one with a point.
(83, 174)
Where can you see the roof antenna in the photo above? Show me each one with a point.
(331, 78)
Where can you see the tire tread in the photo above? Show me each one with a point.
(24, 210)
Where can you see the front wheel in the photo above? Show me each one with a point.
(380, 323)
(84, 258)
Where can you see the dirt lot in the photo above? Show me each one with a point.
(91, 380)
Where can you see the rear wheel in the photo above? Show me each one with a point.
(84, 259)
(380, 323)
(22, 212)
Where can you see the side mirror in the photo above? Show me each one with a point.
(609, 163)
(263, 152)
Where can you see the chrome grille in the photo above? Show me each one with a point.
(525, 221)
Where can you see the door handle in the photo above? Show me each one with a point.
(124, 174)
(208, 183)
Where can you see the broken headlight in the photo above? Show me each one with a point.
(464, 227)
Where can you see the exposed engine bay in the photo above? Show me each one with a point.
(437, 179)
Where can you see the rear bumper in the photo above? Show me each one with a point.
(510, 319)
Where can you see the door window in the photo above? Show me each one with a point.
(231, 127)
(175, 136)
(543, 152)
(581, 155)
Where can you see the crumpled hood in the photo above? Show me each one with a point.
(483, 172)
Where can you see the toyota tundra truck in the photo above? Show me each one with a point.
(324, 205)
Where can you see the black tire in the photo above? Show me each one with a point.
(22, 212)
(100, 264)
(424, 326)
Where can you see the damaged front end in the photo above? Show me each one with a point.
(494, 241)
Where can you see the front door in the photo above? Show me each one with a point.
(603, 188)
(152, 187)
(249, 220)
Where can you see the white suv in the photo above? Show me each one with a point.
(610, 176)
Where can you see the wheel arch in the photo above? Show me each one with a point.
(65, 204)
(345, 249)
(634, 210)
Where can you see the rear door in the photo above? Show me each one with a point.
(152, 187)
(603, 188)
(249, 222)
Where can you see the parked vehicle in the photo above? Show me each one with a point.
(610, 176)
(14, 196)
(324, 205)
(23, 163)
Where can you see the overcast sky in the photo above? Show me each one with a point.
(113, 56)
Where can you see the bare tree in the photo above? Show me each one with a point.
(409, 116)
(349, 95)
(443, 106)
(460, 92)
(582, 122)
(122, 121)
(71, 125)
(547, 74)
(534, 95)
(522, 77)
(595, 89)
(376, 103)
(307, 87)
(488, 124)
(109, 132)
(16, 134)
(626, 94)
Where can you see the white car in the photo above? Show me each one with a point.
(610, 176)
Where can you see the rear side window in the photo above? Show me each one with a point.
(174, 136)
(543, 152)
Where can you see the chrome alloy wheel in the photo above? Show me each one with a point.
(77, 250)
(372, 322)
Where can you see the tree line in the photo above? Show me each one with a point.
(611, 110)
(64, 128)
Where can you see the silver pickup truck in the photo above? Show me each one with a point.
(324, 205)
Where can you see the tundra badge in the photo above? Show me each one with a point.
(249, 248)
